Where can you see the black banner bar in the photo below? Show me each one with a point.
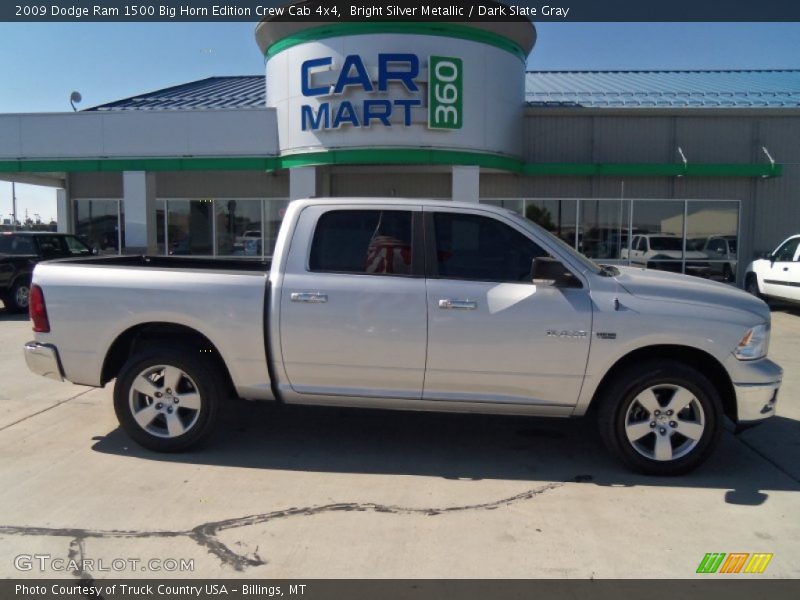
(741, 588)
(399, 10)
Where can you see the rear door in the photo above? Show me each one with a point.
(353, 318)
(494, 336)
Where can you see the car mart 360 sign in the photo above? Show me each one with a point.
(374, 106)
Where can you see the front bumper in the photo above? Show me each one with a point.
(756, 384)
(43, 360)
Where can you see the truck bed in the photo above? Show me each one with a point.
(93, 301)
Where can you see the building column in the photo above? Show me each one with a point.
(64, 216)
(466, 183)
(139, 204)
(302, 182)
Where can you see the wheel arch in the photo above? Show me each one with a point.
(692, 357)
(147, 334)
(750, 276)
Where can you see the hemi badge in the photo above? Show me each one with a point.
(606, 336)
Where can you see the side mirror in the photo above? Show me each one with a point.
(550, 272)
(95, 250)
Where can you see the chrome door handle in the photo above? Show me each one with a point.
(449, 304)
(309, 298)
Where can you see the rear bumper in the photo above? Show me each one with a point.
(43, 360)
(756, 385)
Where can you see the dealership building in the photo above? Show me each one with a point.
(692, 162)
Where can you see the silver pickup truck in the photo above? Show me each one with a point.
(411, 304)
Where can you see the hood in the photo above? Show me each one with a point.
(661, 285)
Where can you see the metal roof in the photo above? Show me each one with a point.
(667, 89)
(247, 91)
(592, 89)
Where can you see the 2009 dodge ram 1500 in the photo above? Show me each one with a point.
(410, 304)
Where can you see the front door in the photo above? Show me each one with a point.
(353, 319)
(494, 336)
(782, 277)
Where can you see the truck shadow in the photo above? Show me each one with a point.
(789, 309)
(7, 315)
(452, 446)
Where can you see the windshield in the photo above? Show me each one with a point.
(666, 243)
(590, 265)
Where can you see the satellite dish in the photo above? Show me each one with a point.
(75, 98)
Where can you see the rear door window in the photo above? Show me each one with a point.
(16, 244)
(363, 242)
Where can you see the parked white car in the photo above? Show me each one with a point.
(778, 275)
(662, 251)
(721, 253)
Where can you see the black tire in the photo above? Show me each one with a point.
(663, 375)
(18, 298)
(727, 273)
(199, 375)
(751, 285)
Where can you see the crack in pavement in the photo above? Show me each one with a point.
(206, 534)
(44, 410)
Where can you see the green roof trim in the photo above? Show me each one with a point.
(451, 30)
(394, 156)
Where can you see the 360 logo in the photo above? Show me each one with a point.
(445, 93)
(735, 562)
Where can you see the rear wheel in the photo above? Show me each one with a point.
(167, 398)
(18, 298)
(661, 417)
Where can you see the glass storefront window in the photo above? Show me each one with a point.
(658, 227)
(274, 211)
(696, 237)
(238, 228)
(97, 223)
(246, 227)
(557, 216)
(604, 228)
(190, 227)
(712, 232)
(516, 205)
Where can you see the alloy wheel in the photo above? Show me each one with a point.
(664, 422)
(164, 401)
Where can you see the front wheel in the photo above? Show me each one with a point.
(727, 274)
(167, 398)
(751, 285)
(661, 418)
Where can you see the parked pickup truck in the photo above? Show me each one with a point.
(411, 304)
(19, 253)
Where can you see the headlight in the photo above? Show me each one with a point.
(754, 344)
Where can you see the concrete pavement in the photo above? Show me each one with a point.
(317, 493)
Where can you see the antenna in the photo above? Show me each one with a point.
(75, 98)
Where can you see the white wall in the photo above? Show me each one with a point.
(134, 134)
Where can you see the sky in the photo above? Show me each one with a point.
(45, 62)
